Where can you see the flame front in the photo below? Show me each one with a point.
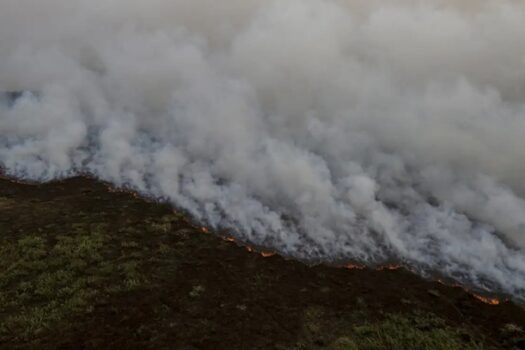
(355, 267)
(267, 254)
(486, 300)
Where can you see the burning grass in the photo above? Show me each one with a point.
(83, 267)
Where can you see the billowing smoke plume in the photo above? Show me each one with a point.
(327, 129)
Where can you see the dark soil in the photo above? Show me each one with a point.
(125, 273)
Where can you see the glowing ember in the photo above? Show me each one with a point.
(486, 300)
(390, 267)
(205, 229)
(267, 254)
(355, 267)
(264, 254)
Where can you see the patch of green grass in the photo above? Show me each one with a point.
(393, 332)
(45, 282)
(406, 333)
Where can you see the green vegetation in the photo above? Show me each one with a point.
(424, 332)
(47, 279)
(359, 331)
(63, 272)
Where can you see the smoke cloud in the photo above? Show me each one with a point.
(326, 129)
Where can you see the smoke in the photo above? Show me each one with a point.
(326, 129)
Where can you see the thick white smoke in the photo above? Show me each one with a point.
(327, 129)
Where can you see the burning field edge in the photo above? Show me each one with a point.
(88, 266)
(483, 296)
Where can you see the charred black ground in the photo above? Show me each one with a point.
(86, 267)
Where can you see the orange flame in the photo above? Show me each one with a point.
(486, 300)
(483, 299)
(355, 267)
(267, 254)
(264, 254)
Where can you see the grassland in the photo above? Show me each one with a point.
(85, 267)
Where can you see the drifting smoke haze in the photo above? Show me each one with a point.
(326, 129)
